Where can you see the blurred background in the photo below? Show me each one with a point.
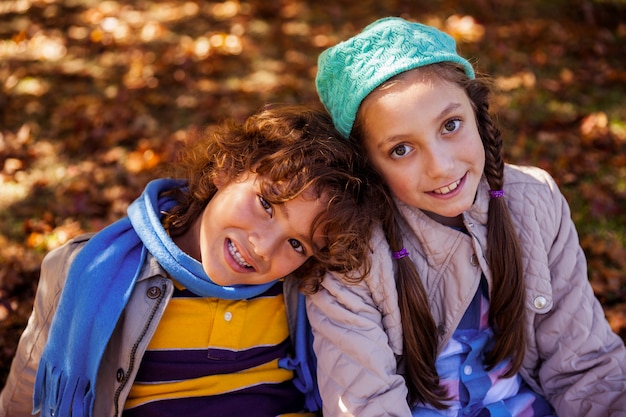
(96, 97)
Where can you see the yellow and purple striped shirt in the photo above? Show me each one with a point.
(211, 356)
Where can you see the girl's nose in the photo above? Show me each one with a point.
(438, 161)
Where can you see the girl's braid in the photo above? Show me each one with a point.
(506, 313)
(418, 326)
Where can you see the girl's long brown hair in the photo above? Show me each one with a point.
(506, 311)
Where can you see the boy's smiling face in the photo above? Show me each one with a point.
(241, 238)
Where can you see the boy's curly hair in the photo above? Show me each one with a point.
(292, 149)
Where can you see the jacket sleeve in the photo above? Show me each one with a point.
(583, 369)
(357, 370)
(16, 399)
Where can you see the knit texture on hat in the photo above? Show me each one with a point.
(350, 70)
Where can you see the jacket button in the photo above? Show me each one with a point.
(540, 302)
(154, 292)
(120, 375)
(474, 260)
(441, 329)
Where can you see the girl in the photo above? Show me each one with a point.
(493, 312)
(178, 309)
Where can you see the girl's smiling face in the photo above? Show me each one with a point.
(420, 133)
(241, 238)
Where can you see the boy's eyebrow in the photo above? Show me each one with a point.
(298, 235)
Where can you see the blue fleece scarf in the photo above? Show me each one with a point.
(98, 286)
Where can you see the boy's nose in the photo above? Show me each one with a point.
(265, 242)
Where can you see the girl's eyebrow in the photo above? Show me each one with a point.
(449, 109)
(391, 139)
(397, 138)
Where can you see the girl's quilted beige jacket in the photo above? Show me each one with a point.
(572, 356)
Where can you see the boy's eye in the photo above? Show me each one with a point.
(266, 206)
(451, 125)
(298, 247)
(400, 151)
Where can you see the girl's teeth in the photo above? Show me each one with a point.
(447, 188)
(233, 251)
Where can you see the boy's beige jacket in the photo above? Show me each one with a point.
(124, 351)
(572, 356)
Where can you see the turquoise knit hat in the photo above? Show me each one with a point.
(350, 70)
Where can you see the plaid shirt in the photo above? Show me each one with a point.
(474, 390)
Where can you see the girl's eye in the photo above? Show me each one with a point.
(451, 125)
(266, 206)
(297, 246)
(400, 151)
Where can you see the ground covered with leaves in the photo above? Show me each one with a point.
(96, 97)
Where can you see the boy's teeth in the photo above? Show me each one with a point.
(233, 251)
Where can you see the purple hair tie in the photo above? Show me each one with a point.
(496, 193)
(400, 254)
